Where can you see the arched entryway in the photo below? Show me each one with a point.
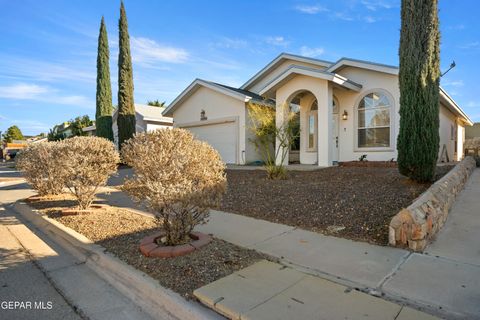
(303, 107)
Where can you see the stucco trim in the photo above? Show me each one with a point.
(311, 72)
(278, 60)
(344, 62)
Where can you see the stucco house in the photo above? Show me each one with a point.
(147, 118)
(346, 109)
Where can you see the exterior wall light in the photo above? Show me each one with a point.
(345, 115)
(202, 115)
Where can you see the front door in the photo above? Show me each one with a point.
(335, 138)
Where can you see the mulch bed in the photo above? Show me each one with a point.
(120, 232)
(350, 202)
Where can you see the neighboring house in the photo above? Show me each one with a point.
(63, 129)
(473, 131)
(148, 118)
(90, 130)
(346, 109)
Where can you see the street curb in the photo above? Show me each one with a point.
(145, 291)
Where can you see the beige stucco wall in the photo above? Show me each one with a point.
(447, 121)
(279, 70)
(216, 106)
(348, 100)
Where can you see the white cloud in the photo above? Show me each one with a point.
(24, 69)
(310, 9)
(277, 41)
(22, 91)
(471, 45)
(231, 43)
(148, 51)
(473, 104)
(34, 92)
(374, 5)
(452, 83)
(31, 125)
(342, 16)
(311, 52)
(369, 19)
(456, 27)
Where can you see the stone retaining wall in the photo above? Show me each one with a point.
(416, 225)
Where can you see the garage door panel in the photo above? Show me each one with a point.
(221, 136)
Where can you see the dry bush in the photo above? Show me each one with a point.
(271, 141)
(178, 177)
(39, 163)
(87, 162)
(472, 143)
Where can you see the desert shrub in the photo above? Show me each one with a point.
(87, 162)
(40, 165)
(177, 177)
(271, 141)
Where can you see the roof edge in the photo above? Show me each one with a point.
(454, 104)
(284, 55)
(208, 84)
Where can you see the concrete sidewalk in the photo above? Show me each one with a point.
(268, 290)
(33, 269)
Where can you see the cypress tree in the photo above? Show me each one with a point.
(419, 79)
(103, 115)
(126, 107)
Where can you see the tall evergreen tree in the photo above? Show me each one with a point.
(126, 107)
(103, 115)
(419, 79)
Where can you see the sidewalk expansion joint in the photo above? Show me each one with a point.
(452, 260)
(275, 295)
(398, 313)
(325, 275)
(251, 246)
(390, 275)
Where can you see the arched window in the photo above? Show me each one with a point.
(373, 121)
(335, 105)
(312, 126)
(295, 108)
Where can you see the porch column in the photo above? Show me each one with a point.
(280, 116)
(324, 96)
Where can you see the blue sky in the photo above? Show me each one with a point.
(48, 48)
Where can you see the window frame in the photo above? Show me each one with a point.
(313, 113)
(391, 100)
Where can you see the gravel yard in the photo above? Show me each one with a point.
(350, 202)
(121, 231)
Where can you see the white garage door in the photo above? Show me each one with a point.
(221, 136)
